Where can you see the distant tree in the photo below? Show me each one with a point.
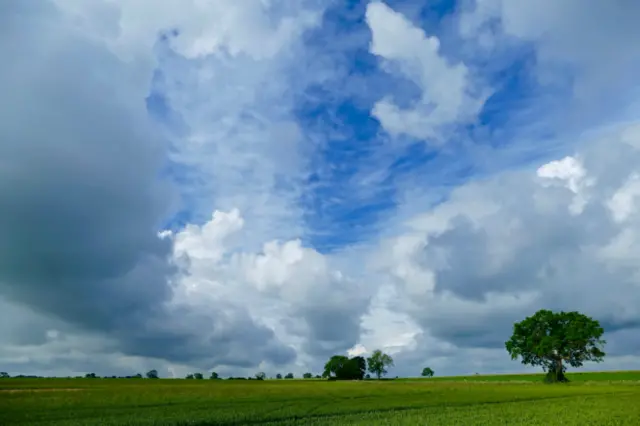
(198, 376)
(378, 363)
(189, 376)
(427, 372)
(214, 376)
(4, 375)
(90, 376)
(307, 376)
(318, 376)
(367, 376)
(261, 376)
(152, 374)
(344, 368)
(138, 376)
(552, 340)
(278, 376)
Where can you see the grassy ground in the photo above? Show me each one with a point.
(591, 399)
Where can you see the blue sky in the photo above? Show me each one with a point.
(349, 147)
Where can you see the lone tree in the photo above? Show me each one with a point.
(552, 340)
(378, 363)
(152, 374)
(4, 375)
(261, 376)
(214, 376)
(307, 376)
(427, 372)
(278, 376)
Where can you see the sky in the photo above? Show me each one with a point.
(256, 185)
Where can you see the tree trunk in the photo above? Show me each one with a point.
(556, 372)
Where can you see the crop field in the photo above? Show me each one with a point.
(590, 399)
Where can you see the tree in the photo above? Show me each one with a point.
(198, 376)
(189, 376)
(553, 340)
(427, 372)
(334, 365)
(289, 376)
(378, 363)
(152, 374)
(278, 376)
(260, 376)
(214, 376)
(4, 375)
(90, 375)
(355, 369)
(343, 368)
(307, 376)
(138, 376)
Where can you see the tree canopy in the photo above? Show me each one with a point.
(152, 374)
(427, 372)
(378, 363)
(344, 368)
(553, 340)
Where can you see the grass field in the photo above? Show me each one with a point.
(611, 398)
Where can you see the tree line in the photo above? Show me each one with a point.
(551, 340)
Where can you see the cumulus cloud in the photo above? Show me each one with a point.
(448, 96)
(291, 289)
(468, 273)
(80, 171)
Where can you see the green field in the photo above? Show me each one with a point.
(611, 398)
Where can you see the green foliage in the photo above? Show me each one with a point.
(4, 375)
(152, 374)
(198, 376)
(261, 376)
(90, 376)
(189, 377)
(553, 340)
(427, 372)
(278, 376)
(378, 363)
(289, 376)
(214, 376)
(307, 376)
(341, 367)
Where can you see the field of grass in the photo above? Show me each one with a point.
(590, 399)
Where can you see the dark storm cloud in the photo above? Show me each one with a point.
(80, 198)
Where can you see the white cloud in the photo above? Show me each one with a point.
(467, 281)
(294, 290)
(448, 96)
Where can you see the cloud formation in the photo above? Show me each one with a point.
(158, 172)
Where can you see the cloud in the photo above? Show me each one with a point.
(71, 226)
(293, 290)
(83, 200)
(448, 96)
(466, 273)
